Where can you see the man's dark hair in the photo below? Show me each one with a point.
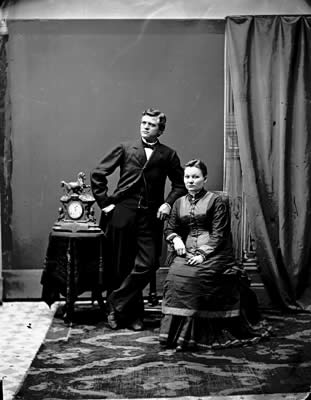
(152, 112)
(198, 164)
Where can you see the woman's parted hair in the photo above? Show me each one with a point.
(198, 164)
(152, 112)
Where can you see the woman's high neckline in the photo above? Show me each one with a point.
(197, 195)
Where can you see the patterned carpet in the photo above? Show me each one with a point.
(89, 361)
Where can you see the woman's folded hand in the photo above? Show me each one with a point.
(195, 260)
(179, 246)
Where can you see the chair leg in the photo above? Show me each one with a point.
(153, 298)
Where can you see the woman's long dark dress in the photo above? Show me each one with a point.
(207, 305)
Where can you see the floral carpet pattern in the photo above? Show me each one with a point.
(86, 360)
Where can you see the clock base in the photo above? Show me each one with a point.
(76, 227)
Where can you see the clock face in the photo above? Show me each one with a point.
(75, 210)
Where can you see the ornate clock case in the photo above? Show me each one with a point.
(76, 213)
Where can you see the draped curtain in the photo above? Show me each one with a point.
(5, 160)
(232, 170)
(268, 58)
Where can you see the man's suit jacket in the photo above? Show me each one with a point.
(130, 157)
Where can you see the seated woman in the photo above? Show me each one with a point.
(207, 302)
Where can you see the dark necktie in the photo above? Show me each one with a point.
(149, 146)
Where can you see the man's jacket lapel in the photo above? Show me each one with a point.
(139, 152)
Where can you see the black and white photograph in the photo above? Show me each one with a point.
(155, 199)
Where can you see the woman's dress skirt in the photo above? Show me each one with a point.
(209, 306)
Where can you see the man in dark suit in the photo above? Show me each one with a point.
(133, 215)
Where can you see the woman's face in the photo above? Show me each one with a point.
(194, 179)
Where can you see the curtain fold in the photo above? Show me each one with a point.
(269, 62)
(232, 183)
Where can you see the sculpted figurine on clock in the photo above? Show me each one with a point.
(76, 213)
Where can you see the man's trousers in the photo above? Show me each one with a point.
(134, 237)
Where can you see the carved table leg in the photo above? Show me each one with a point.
(100, 278)
(69, 307)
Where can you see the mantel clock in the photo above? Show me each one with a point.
(76, 213)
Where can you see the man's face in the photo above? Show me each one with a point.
(149, 128)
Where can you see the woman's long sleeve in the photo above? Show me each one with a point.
(220, 227)
(172, 224)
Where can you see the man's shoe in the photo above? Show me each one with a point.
(137, 325)
(112, 320)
